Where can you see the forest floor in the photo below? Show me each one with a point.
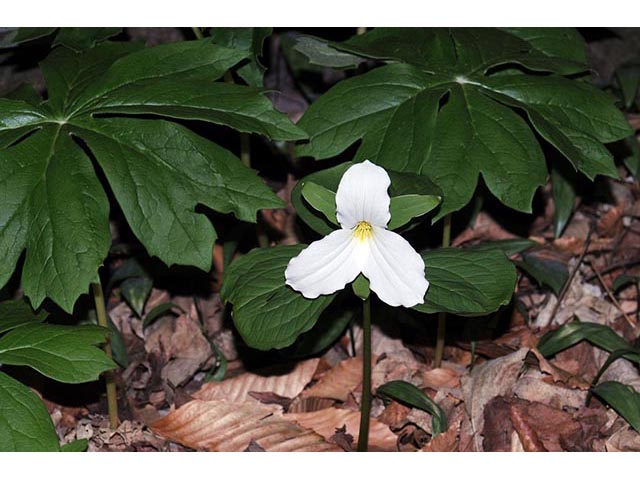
(504, 397)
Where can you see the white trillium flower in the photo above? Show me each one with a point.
(363, 245)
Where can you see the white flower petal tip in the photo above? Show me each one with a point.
(363, 245)
(362, 196)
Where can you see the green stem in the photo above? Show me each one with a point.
(197, 32)
(112, 397)
(442, 316)
(365, 404)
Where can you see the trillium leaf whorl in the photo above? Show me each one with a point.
(363, 245)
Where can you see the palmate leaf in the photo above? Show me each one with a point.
(25, 425)
(76, 38)
(450, 106)
(53, 204)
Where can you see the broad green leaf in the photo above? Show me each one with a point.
(82, 38)
(75, 446)
(55, 207)
(623, 399)
(320, 53)
(322, 199)
(130, 268)
(410, 395)
(160, 172)
(575, 332)
(268, 313)
(77, 38)
(25, 34)
(242, 108)
(632, 157)
(439, 110)
(563, 190)
(467, 282)
(136, 292)
(628, 77)
(407, 207)
(25, 425)
(402, 184)
(545, 270)
(26, 93)
(68, 73)
(118, 347)
(14, 313)
(565, 43)
(187, 170)
(248, 39)
(329, 328)
(67, 354)
(508, 247)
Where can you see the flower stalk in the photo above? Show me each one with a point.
(112, 397)
(442, 316)
(365, 404)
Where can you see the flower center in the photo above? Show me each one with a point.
(363, 231)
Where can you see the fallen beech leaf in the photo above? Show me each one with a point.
(444, 377)
(340, 381)
(497, 428)
(270, 398)
(309, 404)
(610, 223)
(532, 387)
(489, 380)
(237, 389)
(325, 422)
(224, 427)
(394, 414)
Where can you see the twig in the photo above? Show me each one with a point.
(614, 266)
(612, 297)
(567, 284)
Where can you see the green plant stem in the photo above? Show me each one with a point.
(365, 404)
(112, 397)
(197, 32)
(442, 316)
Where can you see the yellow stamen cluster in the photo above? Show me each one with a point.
(363, 231)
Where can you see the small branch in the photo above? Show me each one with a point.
(112, 396)
(197, 32)
(565, 287)
(612, 297)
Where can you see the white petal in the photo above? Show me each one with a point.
(362, 196)
(327, 265)
(395, 270)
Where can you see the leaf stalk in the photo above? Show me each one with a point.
(442, 316)
(365, 404)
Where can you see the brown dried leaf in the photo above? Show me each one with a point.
(309, 404)
(484, 229)
(394, 414)
(447, 441)
(225, 427)
(340, 381)
(624, 440)
(528, 436)
(489, 380)
(325, 422)
(237, 389)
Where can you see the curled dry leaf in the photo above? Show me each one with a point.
(224, 427)
(309, 404)
(340, 381)
(484, 229)
(325, 422)
(237, 389)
